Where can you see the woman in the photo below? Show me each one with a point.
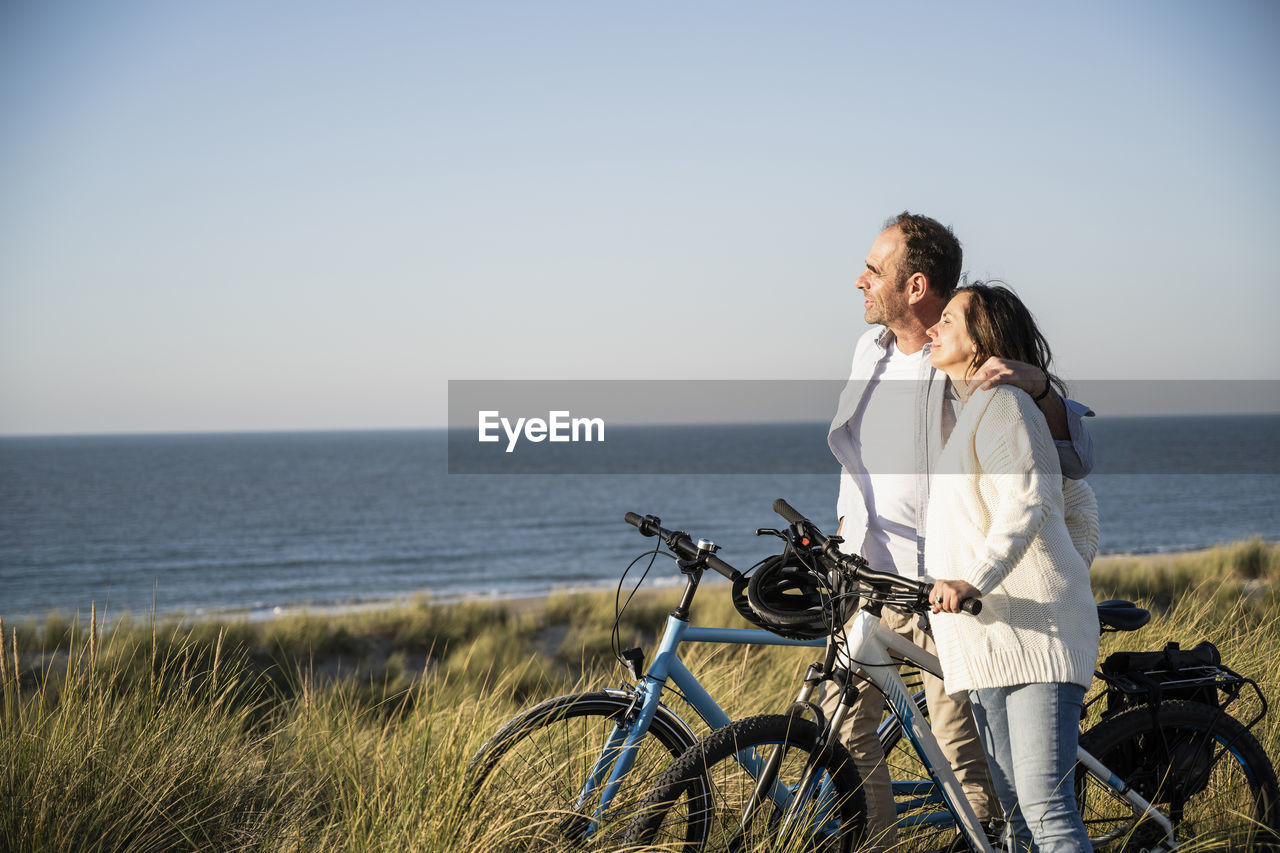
(997, 530)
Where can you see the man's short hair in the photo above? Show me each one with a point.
(931, 248)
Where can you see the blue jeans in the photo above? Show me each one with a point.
(1029, 732)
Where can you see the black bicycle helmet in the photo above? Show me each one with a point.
(786, 596)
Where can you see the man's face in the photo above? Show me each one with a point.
(884, 297)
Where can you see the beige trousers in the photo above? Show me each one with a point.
(951, 720)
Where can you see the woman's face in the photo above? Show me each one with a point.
(952, 349)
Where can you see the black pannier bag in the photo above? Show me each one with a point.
(1139, 678)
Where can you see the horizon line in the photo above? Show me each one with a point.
(198, 431)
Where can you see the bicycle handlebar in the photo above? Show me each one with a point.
(641, 523)
(858, 567)
(679, 541)
(791, 514)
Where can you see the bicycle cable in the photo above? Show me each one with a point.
(615, 638)
(901, 601)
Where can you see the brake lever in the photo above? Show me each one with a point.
(769, 531)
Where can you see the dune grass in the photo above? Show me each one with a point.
(352, 732)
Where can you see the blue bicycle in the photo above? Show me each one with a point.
(1166, 768)
(568, 773)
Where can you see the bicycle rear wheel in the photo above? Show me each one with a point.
(1196, 764)
(536, 784)
(822, 810)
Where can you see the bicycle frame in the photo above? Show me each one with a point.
(874, 648)
(878, 652)
(619, 753)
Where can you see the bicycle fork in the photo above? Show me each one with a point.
(619, 753)
(766, 778)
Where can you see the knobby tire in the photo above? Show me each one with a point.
(834, 822)
(1196, 764)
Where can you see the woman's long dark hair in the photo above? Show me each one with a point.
(1001, 326)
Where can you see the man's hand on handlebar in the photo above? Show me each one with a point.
(947, 595)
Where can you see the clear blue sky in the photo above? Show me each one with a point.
(277, 215)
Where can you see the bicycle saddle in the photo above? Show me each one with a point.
(1120, 615)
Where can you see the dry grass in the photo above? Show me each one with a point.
(352, 732)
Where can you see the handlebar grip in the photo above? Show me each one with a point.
(648, 525)
(787, 511)
(972, 606)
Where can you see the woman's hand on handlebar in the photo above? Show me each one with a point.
(947, 595)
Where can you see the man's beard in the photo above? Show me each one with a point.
(888, 307)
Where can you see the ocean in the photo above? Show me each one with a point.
(259, 522)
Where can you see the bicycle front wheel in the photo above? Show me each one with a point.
(537, 783)
(1196, 764)
(814, 804)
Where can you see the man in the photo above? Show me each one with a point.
(893, 418)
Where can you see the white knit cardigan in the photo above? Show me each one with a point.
(997, 519)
